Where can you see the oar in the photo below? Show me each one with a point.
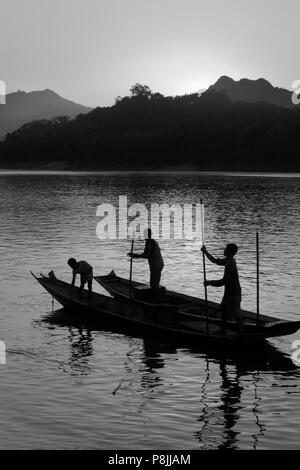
(204, 266)
(257, 279)
(130, 274)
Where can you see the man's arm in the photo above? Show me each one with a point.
(145, 254)
(135, 255)
(147, 250)
(218, 283)
(209, 256)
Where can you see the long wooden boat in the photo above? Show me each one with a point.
(143, 316)
(196, 309)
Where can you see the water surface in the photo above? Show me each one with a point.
(57, 386)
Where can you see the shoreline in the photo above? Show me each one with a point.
(7, 172)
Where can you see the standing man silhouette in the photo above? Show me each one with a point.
(231, 303)
(153, 254)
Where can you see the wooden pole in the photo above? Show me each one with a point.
(204, 266)
(130, 274)
(257, 279)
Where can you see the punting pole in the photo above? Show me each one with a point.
(257, 279)
(204, 266)
(130, 274)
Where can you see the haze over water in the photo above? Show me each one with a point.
(57, 386)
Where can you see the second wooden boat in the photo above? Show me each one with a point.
(192, 307)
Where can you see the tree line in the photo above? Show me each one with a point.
(150, 131)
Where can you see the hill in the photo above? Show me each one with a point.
(149, 131)
(22, 107)
(253, 91)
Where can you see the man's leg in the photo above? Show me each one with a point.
(90, 282)
(224, 308)
(155, 275)
(236, 312)
(153, 281)
(82, 282)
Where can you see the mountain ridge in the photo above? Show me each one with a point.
(23, 107)
(253, 91)
(149, 131)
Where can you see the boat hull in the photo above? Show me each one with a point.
(135, 316)
(193, 307)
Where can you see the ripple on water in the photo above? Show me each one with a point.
(65, 386)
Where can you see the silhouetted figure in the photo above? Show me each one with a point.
(86, 275)
(231, 303)
(153, 254)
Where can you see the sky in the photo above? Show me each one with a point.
(91, 51)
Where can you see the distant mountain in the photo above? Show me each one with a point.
(149, 131)
(251, 91)
(22, 107)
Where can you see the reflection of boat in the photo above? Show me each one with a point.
(226, 383)
(265, 358)
(142, 316)
(193, 307)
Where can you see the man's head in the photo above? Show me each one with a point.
(147, 233)
(230, 250)
(72, 263)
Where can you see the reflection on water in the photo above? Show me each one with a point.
(81, 347)
(146, 359)
(69, 384)
(231, 392)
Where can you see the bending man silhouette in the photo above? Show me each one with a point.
(153, 254)
(231, 303)
(86, 275)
